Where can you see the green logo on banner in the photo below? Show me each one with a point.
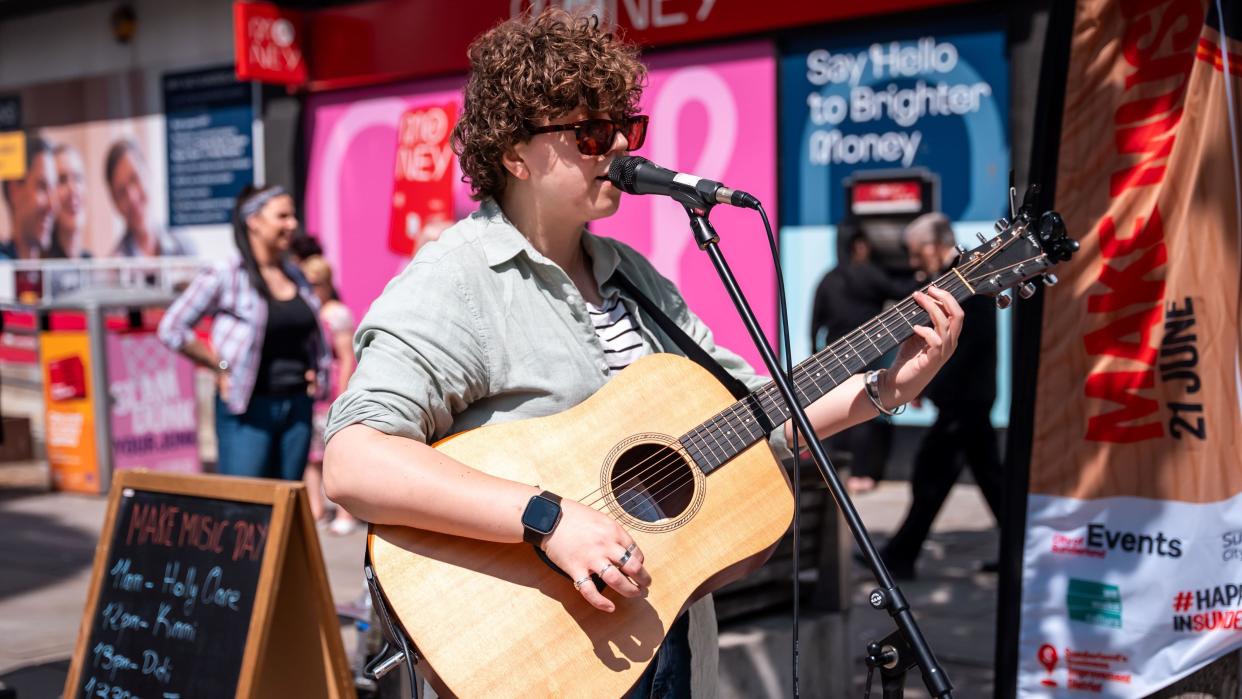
(1094, 603)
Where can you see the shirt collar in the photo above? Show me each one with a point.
(502, 242)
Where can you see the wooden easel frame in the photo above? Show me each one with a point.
(292, 582)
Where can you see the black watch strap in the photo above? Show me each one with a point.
(535, 536)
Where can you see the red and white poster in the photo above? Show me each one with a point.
(422, 180)
(267, 43)
(1134, 523)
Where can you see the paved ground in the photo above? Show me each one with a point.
(48, 542)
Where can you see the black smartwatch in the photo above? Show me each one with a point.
(542, 514)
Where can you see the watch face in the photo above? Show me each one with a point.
(541, 515)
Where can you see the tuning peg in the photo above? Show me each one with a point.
(982, 239)
(1003, 301)
(1001, 225)
(1026, 290)
(1051, 226)
(1050, 279)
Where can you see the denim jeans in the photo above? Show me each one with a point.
(668, 676)
(270, 440)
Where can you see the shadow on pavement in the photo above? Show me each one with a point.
(954, 604)
(36, 681)
(37, 549)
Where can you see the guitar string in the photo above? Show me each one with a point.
(896, 312)
(672, 461)
(802, 382)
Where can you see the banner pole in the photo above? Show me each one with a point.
(1027, 329)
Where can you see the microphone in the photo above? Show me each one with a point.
(636, 175)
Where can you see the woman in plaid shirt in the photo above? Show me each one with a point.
(267, 348)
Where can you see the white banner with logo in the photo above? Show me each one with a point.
(1118, 593)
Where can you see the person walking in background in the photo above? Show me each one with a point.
(70, 222)
(338, 325)
(267, 348)
(125, 171)
(849, 295)
(32, 203)
(963, 393)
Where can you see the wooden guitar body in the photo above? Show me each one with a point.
(494, 620)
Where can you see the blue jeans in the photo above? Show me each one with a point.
(668, 676)
(270, 440)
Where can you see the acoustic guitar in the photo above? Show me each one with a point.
(666, 450)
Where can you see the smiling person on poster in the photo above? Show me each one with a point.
(515, 313)
(267, 347)
(32, 203)
(70, 226)
(128, 178)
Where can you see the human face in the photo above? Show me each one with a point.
(129, 192)
(33, 203)
(273, 226)
(565, 184)
(70, 182)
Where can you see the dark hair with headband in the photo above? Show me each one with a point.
(250, 201)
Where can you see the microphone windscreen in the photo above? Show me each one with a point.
(623, 172)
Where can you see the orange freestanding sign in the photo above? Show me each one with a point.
(69, 416)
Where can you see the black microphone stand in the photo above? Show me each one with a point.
(905, 647)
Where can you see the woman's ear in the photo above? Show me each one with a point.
(514, 163)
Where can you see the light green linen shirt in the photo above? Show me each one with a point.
(480, 328)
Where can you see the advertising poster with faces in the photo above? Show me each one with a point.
(97, 178)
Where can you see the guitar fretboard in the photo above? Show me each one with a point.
(719, 439)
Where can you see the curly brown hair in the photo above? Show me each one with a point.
(538, 67)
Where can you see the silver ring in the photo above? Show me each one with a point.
(580, 583)
(625, 557)
(601, 570)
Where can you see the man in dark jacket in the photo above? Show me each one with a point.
(849, 295)
(963, 393)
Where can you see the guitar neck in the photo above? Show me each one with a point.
(735, 428)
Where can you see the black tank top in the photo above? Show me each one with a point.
(286, 348)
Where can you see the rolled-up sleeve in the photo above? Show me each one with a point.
(199, 299)
(422, 352)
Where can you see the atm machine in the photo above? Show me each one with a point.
(883, 203)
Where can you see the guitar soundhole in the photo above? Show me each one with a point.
(652, 483)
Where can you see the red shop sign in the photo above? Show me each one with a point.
(267, 43)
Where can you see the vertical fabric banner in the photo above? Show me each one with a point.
(1132, 567)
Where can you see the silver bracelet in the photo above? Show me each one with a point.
(871, 384)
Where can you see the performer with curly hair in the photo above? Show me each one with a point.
(514, 313)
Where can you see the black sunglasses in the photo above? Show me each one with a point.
(595, 136)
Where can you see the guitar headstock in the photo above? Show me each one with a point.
(1022, 249)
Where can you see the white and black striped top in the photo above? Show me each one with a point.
(616, 329)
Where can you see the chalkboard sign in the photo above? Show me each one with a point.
(187, 594)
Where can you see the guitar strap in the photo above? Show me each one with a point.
(679, 336)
